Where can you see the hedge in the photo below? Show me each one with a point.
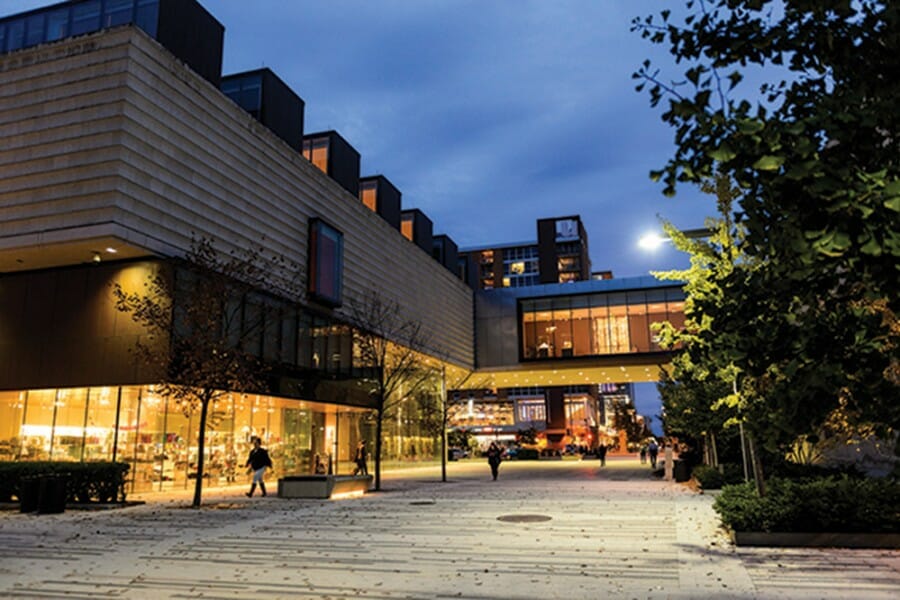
(88, 482)
(839, 504)
(713, 478)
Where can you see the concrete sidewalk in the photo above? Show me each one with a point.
(554, 529)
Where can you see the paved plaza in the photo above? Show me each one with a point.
(549, 529)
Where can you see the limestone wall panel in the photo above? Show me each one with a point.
(121, 130)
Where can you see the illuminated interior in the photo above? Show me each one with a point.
(599, 324)
(368, 194)
(316, 152)
(136, 425)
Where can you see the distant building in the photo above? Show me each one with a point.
(560, 255)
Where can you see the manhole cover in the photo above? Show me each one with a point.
(524, 518)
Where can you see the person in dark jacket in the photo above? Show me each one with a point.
(360, 459)
(258, 461)
(601, 454)
(494, 457)
(653, 451)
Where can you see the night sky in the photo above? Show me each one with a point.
(486, 114)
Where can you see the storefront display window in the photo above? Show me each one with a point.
(37, 428)
(100, 428)
(158, 437)
(479, 413)
(69, 421)
(12, 409)
(530, 411)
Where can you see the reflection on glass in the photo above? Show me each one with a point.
(86, 17)
(57, 25)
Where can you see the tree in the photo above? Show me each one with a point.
(453, 379)
(815, 157)
(626, 419)
(389, 347)
(527, 436)
(437, 406)
(205, 317)
(698, 396)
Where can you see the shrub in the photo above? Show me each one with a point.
(713, 478)
(830, 504)
(100, 482)
(527, 454)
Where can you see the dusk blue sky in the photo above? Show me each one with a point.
(486, 114)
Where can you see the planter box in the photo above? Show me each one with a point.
(322, 486)
(816, 540)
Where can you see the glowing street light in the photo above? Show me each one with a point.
(652, 241)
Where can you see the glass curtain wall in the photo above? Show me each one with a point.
(76, 18)
(134, 424)
(597, 324)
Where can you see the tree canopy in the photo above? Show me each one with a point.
(809, 321)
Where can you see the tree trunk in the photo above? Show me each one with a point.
(756, 465)
(379, 421)
(201, 447)
(444, 453)
(443, 425)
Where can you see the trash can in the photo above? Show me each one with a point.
(29, 494)
(680, 470)
(52, 497)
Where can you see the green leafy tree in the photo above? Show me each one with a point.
(815, 151)
(698, 394)
(205, 317)
(527, 436)
(626, 419)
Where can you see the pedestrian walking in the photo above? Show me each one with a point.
(360, 459)
(601, 454)
(258, 461)
(653, 452)
(644, 454)
(494, 458)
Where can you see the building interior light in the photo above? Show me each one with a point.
(111, 250)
